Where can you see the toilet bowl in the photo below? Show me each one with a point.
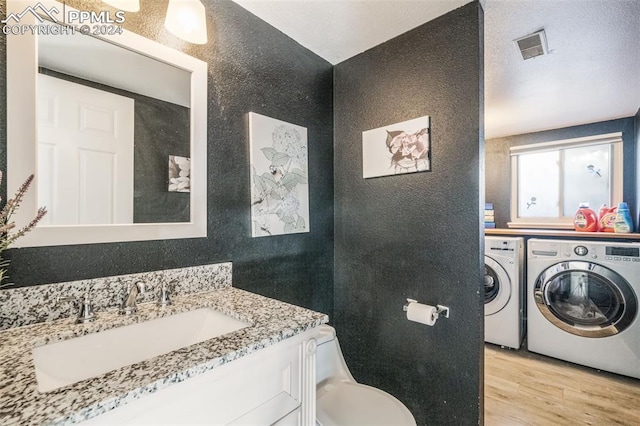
(341, 401)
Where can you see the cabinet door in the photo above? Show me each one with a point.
(265, 387)
(293, 419)
(282, 406)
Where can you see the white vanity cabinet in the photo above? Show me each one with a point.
(274, 385)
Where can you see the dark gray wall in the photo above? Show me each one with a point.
(414, 235)
(160, 129)
(252, 67)
(498, 162)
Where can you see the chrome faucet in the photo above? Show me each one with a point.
(129, 305)
(85, 309)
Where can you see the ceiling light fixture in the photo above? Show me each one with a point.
(187, 19)
(532, 45)
(126, 5)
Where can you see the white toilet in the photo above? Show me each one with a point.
(341, 401)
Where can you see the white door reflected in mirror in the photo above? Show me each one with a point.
(85, 154)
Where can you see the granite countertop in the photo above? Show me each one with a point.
(21, 403)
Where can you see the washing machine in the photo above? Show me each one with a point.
(503, 291)
(583, 303)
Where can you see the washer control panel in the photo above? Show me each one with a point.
(622, 253)
(627, 253)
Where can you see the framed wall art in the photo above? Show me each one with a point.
(279, 184)
(397, 149)
(179, 174)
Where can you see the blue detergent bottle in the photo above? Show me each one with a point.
(623, 221)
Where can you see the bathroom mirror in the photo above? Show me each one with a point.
(103, 121)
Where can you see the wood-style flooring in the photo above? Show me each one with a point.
(523, 388)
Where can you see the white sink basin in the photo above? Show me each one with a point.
(70, 361)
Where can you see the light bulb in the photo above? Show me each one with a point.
(187, 19)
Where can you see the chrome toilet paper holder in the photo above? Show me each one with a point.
(441, 309)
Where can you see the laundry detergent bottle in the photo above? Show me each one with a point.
(607, 218)
(585, 219)
(623, 221)
(603, 211)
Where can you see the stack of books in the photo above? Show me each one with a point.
(489, 216)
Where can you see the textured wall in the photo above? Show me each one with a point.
(152, 203)
(252, 67)
(498, 161)
(414, 235)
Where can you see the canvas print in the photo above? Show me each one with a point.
(396, 149)
(279, 185)
(179, 174)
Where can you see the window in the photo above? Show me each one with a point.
(549, 180)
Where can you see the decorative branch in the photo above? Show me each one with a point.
(6, 225)
(11, 238)
(13, 203)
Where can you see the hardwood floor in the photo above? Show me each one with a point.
(523, 388)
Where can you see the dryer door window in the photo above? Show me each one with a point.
(497, 286)
(491, 284)
(585, 299)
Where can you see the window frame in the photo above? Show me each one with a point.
(566, 222)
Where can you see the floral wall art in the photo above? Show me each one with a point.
(279, 185)
(179, 174)
(398, 148)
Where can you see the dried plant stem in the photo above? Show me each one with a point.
(11, 238)
(13, 204)
(6, 238)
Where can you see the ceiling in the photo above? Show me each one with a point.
(592, 71)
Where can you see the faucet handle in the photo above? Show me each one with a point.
(85, 313)
(140, 287)
(129, 304)
(163, 296)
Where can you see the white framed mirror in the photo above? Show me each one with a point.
(113, 126)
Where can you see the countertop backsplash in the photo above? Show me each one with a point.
(31, 305)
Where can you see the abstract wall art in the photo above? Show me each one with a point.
(279, 184)
(398, 148)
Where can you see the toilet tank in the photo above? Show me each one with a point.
(330, 363)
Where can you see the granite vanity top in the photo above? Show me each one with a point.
(21, 403)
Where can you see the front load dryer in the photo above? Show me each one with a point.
(503, 292)
(583, 303)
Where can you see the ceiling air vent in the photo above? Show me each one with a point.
(532, 45)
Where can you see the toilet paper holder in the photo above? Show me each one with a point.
(441, 310)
